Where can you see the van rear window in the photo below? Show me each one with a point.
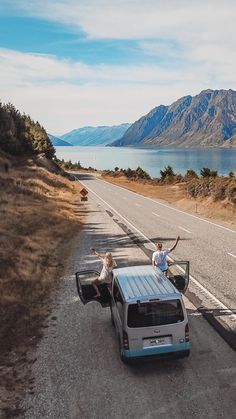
(155, 313)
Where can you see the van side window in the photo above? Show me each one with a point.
(118, 299)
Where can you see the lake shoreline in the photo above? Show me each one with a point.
(151, 160)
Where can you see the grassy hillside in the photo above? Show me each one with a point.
(37, 226)
(36, 216)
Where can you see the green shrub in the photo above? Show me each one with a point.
(218, 188)
(138, 173)
(191, 174)
(206, 172)
(167, 173)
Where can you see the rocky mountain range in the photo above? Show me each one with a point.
(92, 136)
(205, 120)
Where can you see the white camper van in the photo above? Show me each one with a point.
(147, 311)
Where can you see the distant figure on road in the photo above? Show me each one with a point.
(105, 276)
(159, 257)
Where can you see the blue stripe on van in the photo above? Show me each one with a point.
(157, 350)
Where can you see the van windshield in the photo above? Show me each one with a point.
(155, 313)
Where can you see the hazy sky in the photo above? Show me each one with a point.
(71, 63)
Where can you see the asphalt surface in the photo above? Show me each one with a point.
(210, 247)
(78, 372)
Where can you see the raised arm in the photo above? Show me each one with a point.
(176, 242)
(96, 253)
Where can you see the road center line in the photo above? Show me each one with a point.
(184, 229)
(198, 284)
(231, 254)
(157, 215)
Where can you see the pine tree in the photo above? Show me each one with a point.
(20, 135)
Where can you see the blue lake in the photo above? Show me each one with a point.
(152, 160)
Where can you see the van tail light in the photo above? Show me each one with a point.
(187, 333)
(125, 340)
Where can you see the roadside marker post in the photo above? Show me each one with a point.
(83, 194)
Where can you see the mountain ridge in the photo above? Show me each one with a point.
(204, 120)
(92, 136)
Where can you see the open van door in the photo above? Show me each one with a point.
(86, 290)
(178, 274)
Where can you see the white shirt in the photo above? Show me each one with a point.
(160, 259)
(106, 272)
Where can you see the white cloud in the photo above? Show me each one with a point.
(203, 30)
(64, 95)
(195, 37)
(187, 21)
(27, 68)
(161, 48)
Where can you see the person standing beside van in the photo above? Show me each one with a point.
(106, 275)
(159, 257)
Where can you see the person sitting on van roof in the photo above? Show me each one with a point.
(159, 257)
(106, 272)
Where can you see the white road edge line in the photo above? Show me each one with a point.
(184, 229)
(157, 215)
(231, 254)
(208, 293)
(174, 209)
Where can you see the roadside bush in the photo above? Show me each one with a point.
(230, 192)
(218, 188)
(137, 174)
(206, 172)
(68, 165)
(141, 174)
(167, 173)
(219, 191)
(191, 174)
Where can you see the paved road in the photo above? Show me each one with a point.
(78, 372)
(210, 248)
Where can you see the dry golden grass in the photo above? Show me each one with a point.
(37, 224)
(222, 211)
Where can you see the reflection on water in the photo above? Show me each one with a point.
(152, 160)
